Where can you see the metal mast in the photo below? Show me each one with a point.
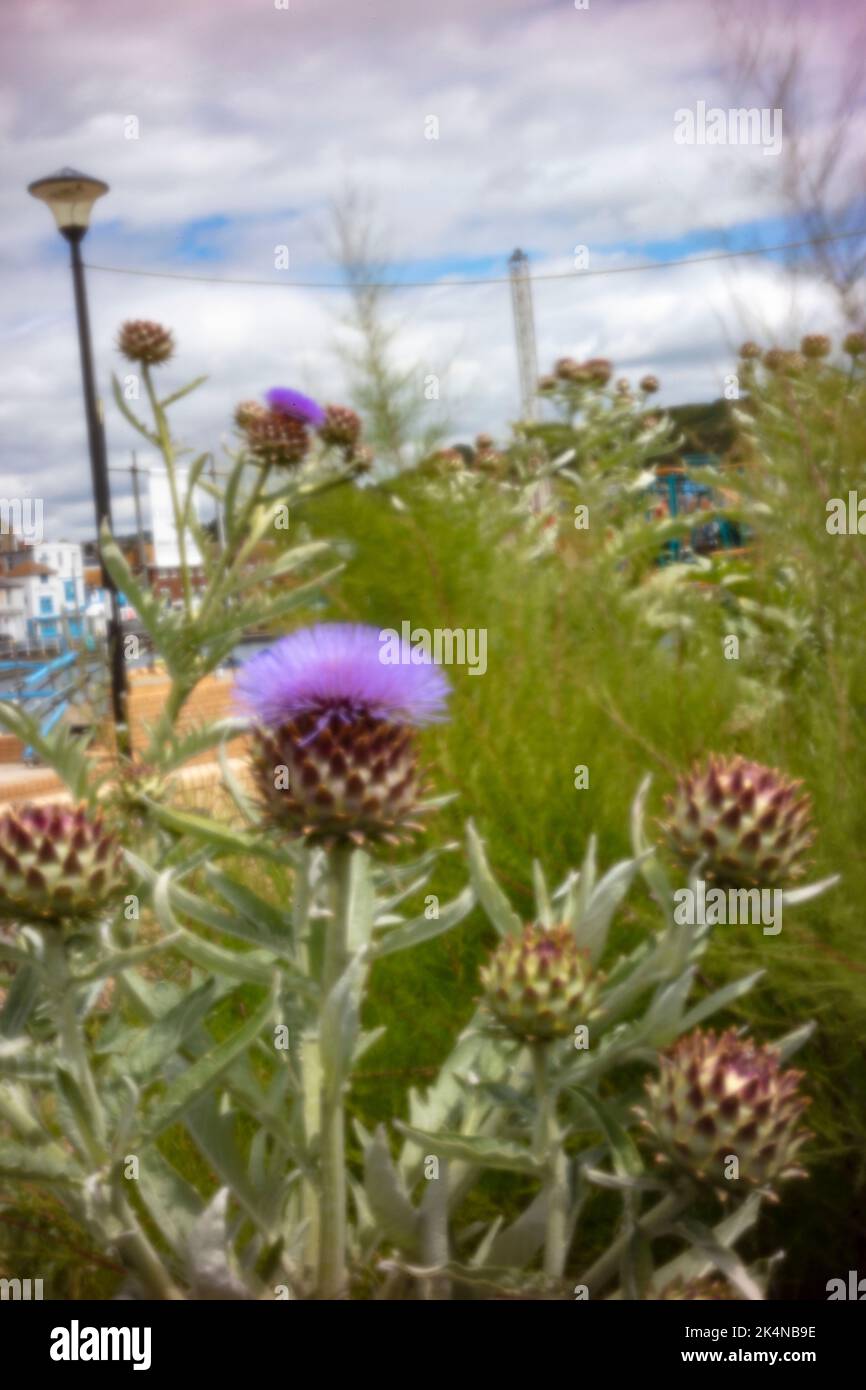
(524, 331)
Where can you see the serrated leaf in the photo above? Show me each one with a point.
(719, 999)
(627, 1162)
(387, 1196)
(724, 1259)
(518, 1244)
(477, 1149)
(490, 895)
(198, 1078)
(421, 928)
(593, 924)
(213, 832)
(153, 1046)
(182, 391)
(271, 924)
(214, 1134)
(26, 1163)
(340, 1023)
(20, 1001)
(173, 1204)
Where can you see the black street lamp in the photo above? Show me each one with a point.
(70, 196)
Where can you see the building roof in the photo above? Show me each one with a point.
(28, 570)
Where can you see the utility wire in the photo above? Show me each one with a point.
(490, 280)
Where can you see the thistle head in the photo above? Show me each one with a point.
(335, 746)
(815, 346)
(719, 1098)
(140, 340)
(749, 824)
(540, 985)
(283, 401)
(57, 864)
(341, 428)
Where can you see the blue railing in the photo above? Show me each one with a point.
(43, 691)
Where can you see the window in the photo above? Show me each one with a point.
(69, 590)
(46, 605)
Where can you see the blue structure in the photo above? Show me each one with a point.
(682, 493)
(45, 692)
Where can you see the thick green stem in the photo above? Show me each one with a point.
(332, 1274)
(167, 449)
(547, 1148)
(63, 989)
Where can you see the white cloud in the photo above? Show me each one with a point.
(556, 128)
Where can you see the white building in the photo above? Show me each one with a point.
(41, 593)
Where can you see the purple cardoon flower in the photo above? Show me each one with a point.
(286, 402)
(338, 666)
(334, 749)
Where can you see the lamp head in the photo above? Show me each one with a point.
(70, 195)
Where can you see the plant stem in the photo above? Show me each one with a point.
(136, 1250)
(547, 1147)
(332, 1276)
(63, 989)
(607, 1265)
(168, 454)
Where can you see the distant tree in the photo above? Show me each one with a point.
(399, 423)
(823, 154)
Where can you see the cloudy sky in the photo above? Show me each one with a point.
(226, 129)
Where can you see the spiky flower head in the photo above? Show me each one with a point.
(855, 344)
(816, 345)
(341, 427)
(135, 785)
(750, 351)
(599, 370)
(336, 705)
(749, 823)
(566, 368)
(623, 388)
(276, 439)
(57, 864)
(140, 340)
(248, 411)
(547, 382)
(774, 359)
(539, 985)
(718, 1097)
(649, 384)
(283, 401)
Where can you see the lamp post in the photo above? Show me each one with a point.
(70, 195)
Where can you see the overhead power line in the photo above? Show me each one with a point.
(488, 280)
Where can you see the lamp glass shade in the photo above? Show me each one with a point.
(70, 196)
